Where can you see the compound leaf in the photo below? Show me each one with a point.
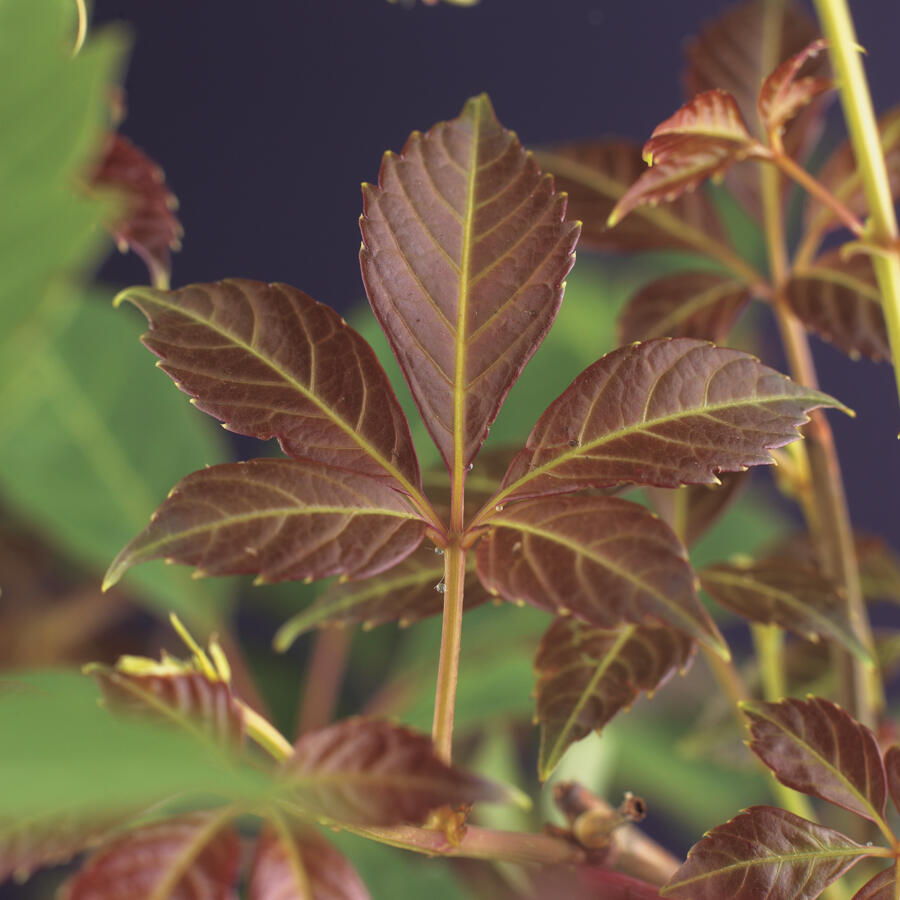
(297, 863)
(779, 592)
(371, 772)
(605, 560)
(186, 858)
(269, 361)
(585, 675)
(664, 412)
(278, 519)
(839, 300)
(701, 305)
(764, 852)
(464, 254)
(813, 746)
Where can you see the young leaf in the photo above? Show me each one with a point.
(269, 361)
(815, 747)
(279, 519)
(586, 675)
(299, 864)
(464, 254)
(764, 852)
(701, 305)
(595, 175)
(149, 225)
(370, 772)
(664, 413)
(783, 95)
(701, 140)
(892, 768)
(881, 887)
(604, 560)
(839, 300)
(195, 855)
(782, 593)
(405, 593)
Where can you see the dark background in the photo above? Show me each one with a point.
(267, 116)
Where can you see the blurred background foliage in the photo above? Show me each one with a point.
(92, 437)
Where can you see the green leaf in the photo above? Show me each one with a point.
(586, 675)
(278, 519)
(464, 254)
(764, 852)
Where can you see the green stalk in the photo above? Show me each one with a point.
(768, 641)
(866, 142)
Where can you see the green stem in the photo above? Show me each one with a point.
(451, 636)
(768, 641)
(866, 142)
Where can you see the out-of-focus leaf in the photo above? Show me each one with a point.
(813, 746)
(782, 593)
(879, 569)
(186, 858)
(701, 140)
(596, 174)
(299, 864)
(405, 593)
(664, 413)
(892, 768)
(602, 559)
(584, 882)
(269, 361)
(764, 852)
(278, 519)
(700, 305)
(464, 254)
(586, 675)
(783, 95)
(839, 300)
(881, 887)
(371, 772)
(148, 224)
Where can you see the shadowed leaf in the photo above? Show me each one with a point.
(586, 675)
(595, 174)
(815, 747)
(783, 95)
(405, 593)
(764, 852)
(278, 519)
(892, 767)
(785, 594)
(371, 772)
(149, 225)
(663, 413)
(299, 864)
(881, 887)
(604, 560)
(464, 254)
(839, 300)
(701, 140)
(269, 361)
(194, 857)
(700, 305)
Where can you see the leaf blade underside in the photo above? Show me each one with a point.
(585, 675)
(464, 252)
(881, 887)
(371, 772)
(604, 560)
(764, 852)
(813, 746)
(278, 519)
(269, 361)
(662, 413)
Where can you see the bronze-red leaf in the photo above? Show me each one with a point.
(813, 746)
(603, 560)
(269, 361)
(193, 857)
(764, 853)
(892, 768)
(881, 887)
(371, 772)
(585, 675)
(279, 519)
(664, 413)
(465, 249)
(299, 864)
